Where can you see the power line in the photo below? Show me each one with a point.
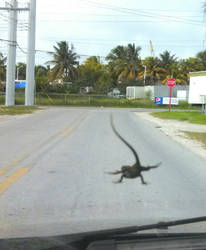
(137, 12)
(52, 52)
(123, 21)
(22, 50)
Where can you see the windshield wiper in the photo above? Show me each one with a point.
(136, 229)
(83, 240)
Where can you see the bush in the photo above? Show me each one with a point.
(148, 94)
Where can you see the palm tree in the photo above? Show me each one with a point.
(201, 57)
(116, 60)
(118, 53)
(2, 67)
(65, 61)
(125, 61)
(21, 71)
(154, 73)
(166, 59)
(159, 70)
(133, 60)
(41, 70)
(176, 71)
(93, 59)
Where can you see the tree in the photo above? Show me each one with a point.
(21, 71)
(191, 64)
(65, 62)
(175, 71)
(41, 77)
(125, 61)
(94, 74)
(2, 67)
(90, 71)
(154, 73)
(166, 59)
(201, 58)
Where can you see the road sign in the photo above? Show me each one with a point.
(20, 84)
(171, 82)
(174, 101)
(166, 100)
(159, 100)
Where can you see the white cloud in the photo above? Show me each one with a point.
(69, 20)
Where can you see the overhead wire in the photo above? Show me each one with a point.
(140, 13)
(136, 12)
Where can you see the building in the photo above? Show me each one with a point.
(140, 92)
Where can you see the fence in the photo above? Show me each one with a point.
(80, 100)
(86, 100)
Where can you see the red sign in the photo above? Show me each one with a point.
(171, 82)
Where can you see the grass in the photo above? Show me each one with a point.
(201, 137)
(101, 101)
(192, 117)
(92, 101)
(17, 110)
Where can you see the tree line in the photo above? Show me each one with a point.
(122, 67)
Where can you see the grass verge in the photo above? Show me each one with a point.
(93, 101)
(201, 137)
(17, 110)
(192, 117)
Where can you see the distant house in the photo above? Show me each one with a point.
(139, 92)
(60, 83)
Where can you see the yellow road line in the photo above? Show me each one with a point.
(75, 127)
(4, 185)
(13, 164)
(24, 156)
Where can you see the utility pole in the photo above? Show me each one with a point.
(17, 73)
(30, 83)
(145, 72)
(11, 58)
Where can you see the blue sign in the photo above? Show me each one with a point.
(20, 84)
(159, 100)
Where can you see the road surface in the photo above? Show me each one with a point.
(53, 181)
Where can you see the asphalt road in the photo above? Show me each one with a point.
(53, 181)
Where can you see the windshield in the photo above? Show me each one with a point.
(107, 128)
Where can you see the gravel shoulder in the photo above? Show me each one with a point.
(7, 118)
(175, 129)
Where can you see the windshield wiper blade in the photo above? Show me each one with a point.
(136, 229)
(166, 225)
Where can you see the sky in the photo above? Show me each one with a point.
(95, 27)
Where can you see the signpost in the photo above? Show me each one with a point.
(171, 82)
(20, 84)
(166, 100)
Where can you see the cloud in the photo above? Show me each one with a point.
(95, 30)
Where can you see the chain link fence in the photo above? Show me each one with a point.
(57, 99)
(77, 100)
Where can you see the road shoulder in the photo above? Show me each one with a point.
(7, 118)
(175, 129)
